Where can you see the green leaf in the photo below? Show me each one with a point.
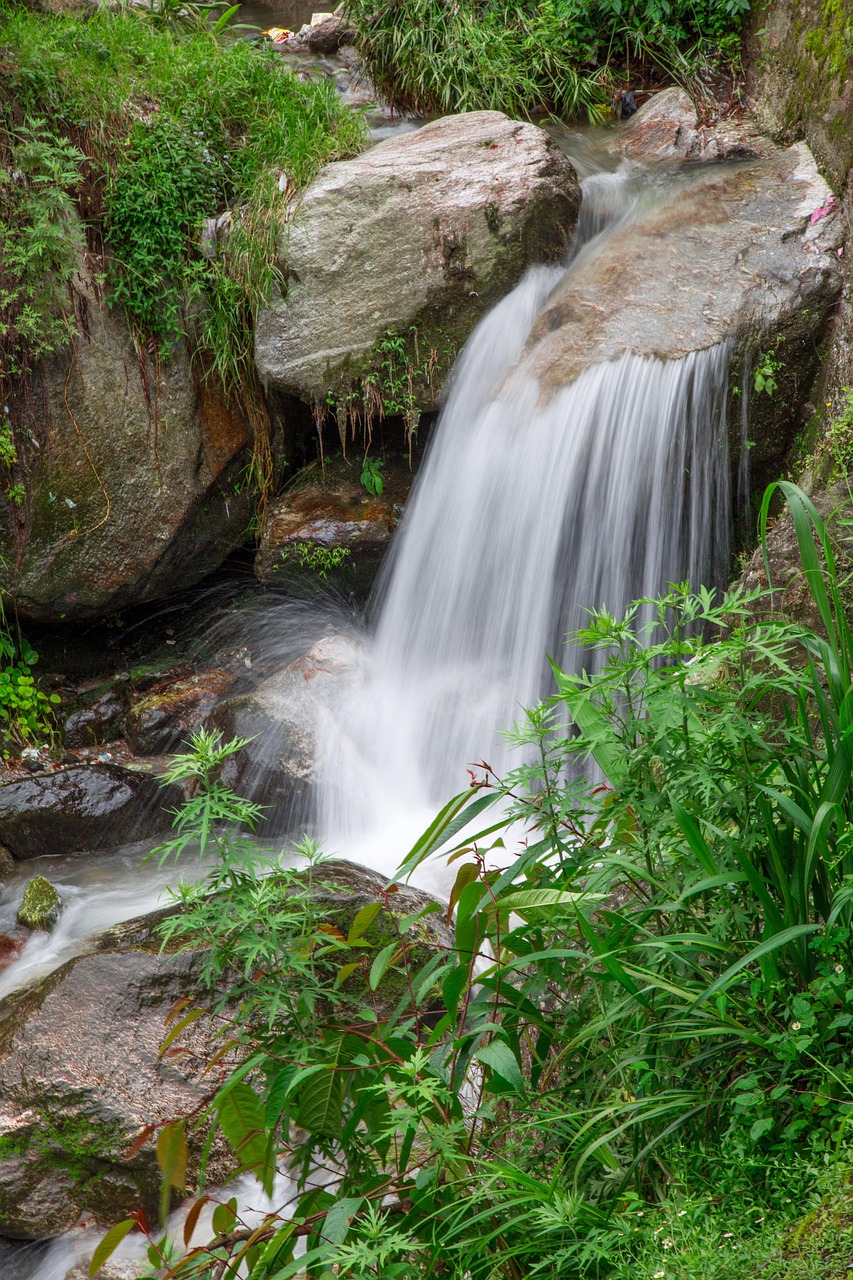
(337, 1221)
(381, 963)
(363, 920)
(224, 1216)
(172, 1153)
(109, 1244)
(242, 1119)
(498, 1056)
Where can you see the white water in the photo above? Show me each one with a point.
(524, 516)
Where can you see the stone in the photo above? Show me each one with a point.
(7, 862)
(133, 472)
(41, 905)
(732, 256)
(83, 807)
(100, 721)
(418, 237)
(277, 767)
(164, 719)
(337, 516)
(326, 36)
(81, 1077)
(667, 128)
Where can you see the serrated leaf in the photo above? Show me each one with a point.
(109, 1244)
(363, 920)
(346, 971)
(191, 1220)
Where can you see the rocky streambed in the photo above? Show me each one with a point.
(725, 239)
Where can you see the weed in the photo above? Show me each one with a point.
(314, 558)
(764, 373)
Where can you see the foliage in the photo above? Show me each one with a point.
(518, 56)
(40, 245)
(26, 711)
(314, 557)
(175, 126)
(764, 374)
(371, 476)
(647, 1002)
(837, 444)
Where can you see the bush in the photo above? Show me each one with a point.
(647, 1005)
(520, 57)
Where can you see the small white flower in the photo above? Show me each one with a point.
(668, 1244)
(659, 1275)
(681, 1212)
(839, 968)
(727, 1235)
(795, 1026)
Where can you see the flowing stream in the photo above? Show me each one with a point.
(525, 514)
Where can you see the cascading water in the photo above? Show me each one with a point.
(525, 515)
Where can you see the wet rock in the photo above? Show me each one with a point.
(132, 468)
(667, 128)
(11, 946)
(751, 267)
(7, 862)
(468, 203)
(80, 1079)
(277, 767)
(41, 905)
(165, 718)
(82, 807)
(101, 721)
(343, 518)
(326, 37)
(80, 1076)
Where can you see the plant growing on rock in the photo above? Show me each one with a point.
(647, 984)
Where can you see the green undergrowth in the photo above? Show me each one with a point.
(625, 1052)
(146, 130)
(564, 56)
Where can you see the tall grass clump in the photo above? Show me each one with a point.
(630, 1053)
(517, 56)
(166, 127)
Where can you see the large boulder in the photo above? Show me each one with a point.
(417, 239)
(81, 1074)
(84, 806)
(334, 531)
(746, 254)
(280, 718)
(130, 469)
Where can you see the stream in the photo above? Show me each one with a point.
(524, 514)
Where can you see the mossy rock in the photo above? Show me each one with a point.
(41, 905)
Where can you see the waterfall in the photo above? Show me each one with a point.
(525, 514)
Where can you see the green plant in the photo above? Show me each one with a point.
(371, 475)
(26, 711)
(40, 245)
(837, 444)
(646, 996)
(314, 557)
(764, 373)
(519, 57)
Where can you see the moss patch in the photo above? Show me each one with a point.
(41, 905)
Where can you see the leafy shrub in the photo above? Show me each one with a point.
(518, 56)
(648, 993)
(26, 711)
(40, 242)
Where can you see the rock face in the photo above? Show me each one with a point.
(164, 719)
(80, 1076)
(667, 128)
(131, 467)
(746, 254)
(280, 716)
(342, 517)
(83, 807)
(422, 233)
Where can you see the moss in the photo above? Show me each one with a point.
(40, 906)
